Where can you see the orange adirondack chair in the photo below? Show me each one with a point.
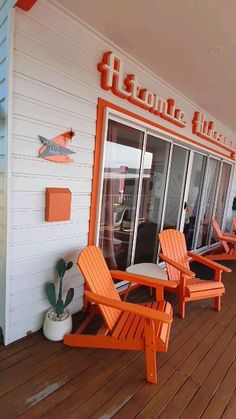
(228, 242)
(189, 288)
(126, 326)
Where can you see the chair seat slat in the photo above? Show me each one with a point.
(132, 326)
(120, 324)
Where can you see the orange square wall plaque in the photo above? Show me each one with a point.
(58, 204)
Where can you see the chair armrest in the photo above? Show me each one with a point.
(210, 263)
(177, 265)
(149, 313)
(229, 235)
(228, 238)
(142, 279)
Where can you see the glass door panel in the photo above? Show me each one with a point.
(151, 200)
(222, 193)
(122, 163)
(208, 202)
(194, 198)
(174, 203)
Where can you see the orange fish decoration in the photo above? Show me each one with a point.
(55, 149)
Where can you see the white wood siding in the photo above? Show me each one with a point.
(56, 87)
(6, 28)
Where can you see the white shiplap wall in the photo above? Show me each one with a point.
(56, 87)
(6, 30)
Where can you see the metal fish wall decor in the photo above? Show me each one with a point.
(55, 150)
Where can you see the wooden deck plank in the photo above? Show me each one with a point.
(230, 410)
(161, 399)
(25, 369)
(77, 383)
(77, 399)
(46, 382)
(207, 390)
(16, 347)
(179, 402)
(224, 392)
(170, 377)
(142, 396)
(22, 354)
(137, 382)
(196, 376)
(74, 386)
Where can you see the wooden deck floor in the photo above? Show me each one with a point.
(197, 376)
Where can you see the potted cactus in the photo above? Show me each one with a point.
(58, 320)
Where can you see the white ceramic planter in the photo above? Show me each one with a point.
(56, 329)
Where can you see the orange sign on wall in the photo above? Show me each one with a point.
(128, 87)
(206, 129)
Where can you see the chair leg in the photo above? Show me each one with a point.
(182, 307)
(217, 303)
(150, 352)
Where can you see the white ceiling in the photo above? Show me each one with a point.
(172, 38)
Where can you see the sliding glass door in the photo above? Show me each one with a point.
(209, 196)
(222, 192)
(175, 205)
(156, 157)
(193, 200)
(142, 192)
(121, 173)
(149, 184)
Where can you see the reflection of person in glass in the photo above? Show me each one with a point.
(189, 224)
(123, 171)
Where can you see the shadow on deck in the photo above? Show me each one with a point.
(197, 376)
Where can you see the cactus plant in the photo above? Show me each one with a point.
(57, 302)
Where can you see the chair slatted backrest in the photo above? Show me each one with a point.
(98, 280)
(218, 233)
(173, 245)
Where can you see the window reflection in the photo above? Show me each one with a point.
(174, 203)
(152, 196)
(208, 203)
(194, 198)
(119, 194)
(222, 194)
